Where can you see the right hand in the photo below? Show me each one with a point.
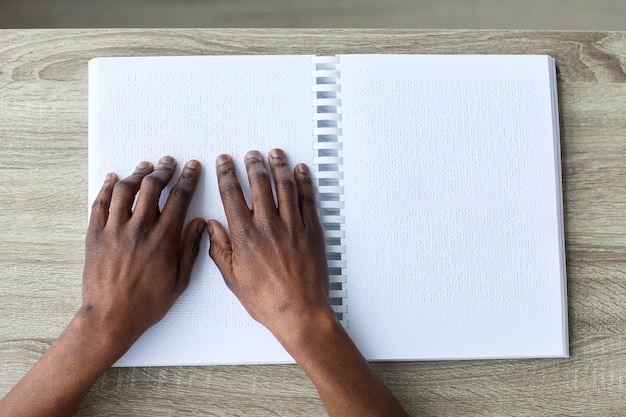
(275, 260)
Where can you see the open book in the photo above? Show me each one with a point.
(439, 188)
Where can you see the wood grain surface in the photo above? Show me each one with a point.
(43, 211)
(414, 14)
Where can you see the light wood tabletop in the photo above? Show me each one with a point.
(43, 215)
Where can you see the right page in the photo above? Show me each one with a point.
(453, 207)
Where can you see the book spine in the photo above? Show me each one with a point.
(328, 174)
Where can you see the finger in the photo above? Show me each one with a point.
(102, 203)
(220, 250)
(175, 210)
(285, 187)
(306, 197)
(151, 187)
(235, 207)
(263, 206)
(124, 193)
(189, 249)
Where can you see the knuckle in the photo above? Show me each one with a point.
(271, 231)
(220, 257)
(307, 199)
(106, 187)
(152, 181)
(194, 248)
(100, 204)
(230, 190)
(243, 234)
(279, 162)
(253, 161)
(307, 182)
(138, 232)
(124, 186)
(180, 193)
(190, 176)
(165, 170)
(286, 184)
(94, 238)
(263, 199)
(258, 176)
(214, 251)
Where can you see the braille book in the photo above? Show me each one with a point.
(439, 189)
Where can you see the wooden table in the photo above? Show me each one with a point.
(43, 210)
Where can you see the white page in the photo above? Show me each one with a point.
(453, 207)
(199, 107)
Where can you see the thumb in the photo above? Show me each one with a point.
(188, 252)
(221, 250)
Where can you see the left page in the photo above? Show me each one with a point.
(197, 108)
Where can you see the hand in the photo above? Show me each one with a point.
(275, 263)
(136, 265)
(136, 262)
(275, 260)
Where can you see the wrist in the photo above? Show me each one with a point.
(91, 337)
(309, 333)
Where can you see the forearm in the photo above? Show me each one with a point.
(346, 383)
(62, 377)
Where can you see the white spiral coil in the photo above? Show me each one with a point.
(328, 174)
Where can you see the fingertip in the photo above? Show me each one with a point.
(198, 225)
(217, 233)
(109, 181)
(277, 153)
(102, 204)
(302, 169)
(192, 169)
(144, 166)
(253, 155)
(213, 227)
(166, 159)
(222, 159)
(193, 164)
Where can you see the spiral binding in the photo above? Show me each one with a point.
(329, 175)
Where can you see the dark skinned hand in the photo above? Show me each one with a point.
(153, 261)
(275, 260)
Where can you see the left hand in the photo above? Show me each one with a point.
(137, 263)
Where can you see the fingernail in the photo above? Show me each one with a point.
(209, 228)
(144, 165)
(222, 159)
(276, 153)
(193, 164)
(108, 177)
(302, 169)
(254, 155)
(166, 160)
